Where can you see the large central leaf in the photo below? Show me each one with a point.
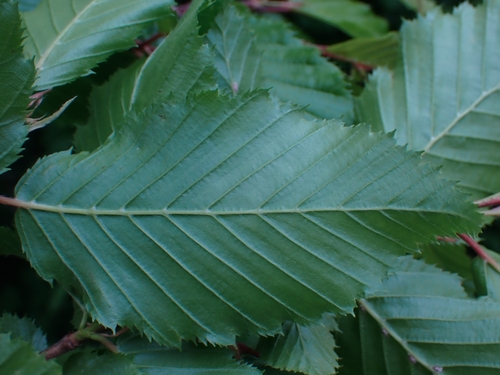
(217, 216)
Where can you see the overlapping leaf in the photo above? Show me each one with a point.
(16, 78)
(153, 359)
(180, 65)
(236, 208)
(259, 53)
(298, 74)
(309, 350)
(421, 322)
(444, 96)
(351, 16)
(24, 329)
(70, 37)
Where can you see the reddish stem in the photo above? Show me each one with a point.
(447, 239)
(66, 344)
(145, 47)
(480, 251)
(358, 65)
(181, 9)
(489, 202)
(272, 6)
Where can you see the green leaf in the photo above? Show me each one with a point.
(153, 359)
(378, 51)
(10, 243)
(69, 37)
(353, 17)
(237, 57)
(106, 364)
(309, 350)
(16, 78)
(18, 357)
(230, 185)
(422, 322)
(297, 73)
(181, 64)
(24, 329)
(443, 97)
(486, 278)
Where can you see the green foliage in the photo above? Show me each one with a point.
(215, 214)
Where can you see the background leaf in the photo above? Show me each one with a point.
(18, 357)
(245, 187)
(443, 97)
(107, 364)
(16, 78)
(309, 350)
(377, 51)
(182, 64)
(421, 322)
(69, 37)
(297, 73)
(153, 359)
(24, 329)
(353, 17)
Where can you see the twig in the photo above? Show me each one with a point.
(358, 65)
(73, 340)
(491, 201)
(145, 47)
(480, 251)
(272, 6)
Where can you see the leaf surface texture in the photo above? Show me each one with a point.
(237, 208)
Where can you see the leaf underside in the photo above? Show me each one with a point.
(16, 78)
(444, 96)
(260, 215)
(421, 323)
(70, 37)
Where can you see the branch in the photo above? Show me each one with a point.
(73, 340)
(272, 6)
(480, 251)
(358, 65)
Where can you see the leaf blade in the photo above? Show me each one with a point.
(148, 188)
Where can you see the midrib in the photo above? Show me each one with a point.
(167, 212)
(56, 41)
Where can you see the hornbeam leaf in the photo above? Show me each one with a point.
(351, 16)
(231, 208)
(18, 357)
(70, 37)
(421, 322)
(309, 350)
(153, 359)
(181, 64)
(10, 243)
(16, 78)
(444, 95)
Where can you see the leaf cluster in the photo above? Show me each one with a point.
(240, 199)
